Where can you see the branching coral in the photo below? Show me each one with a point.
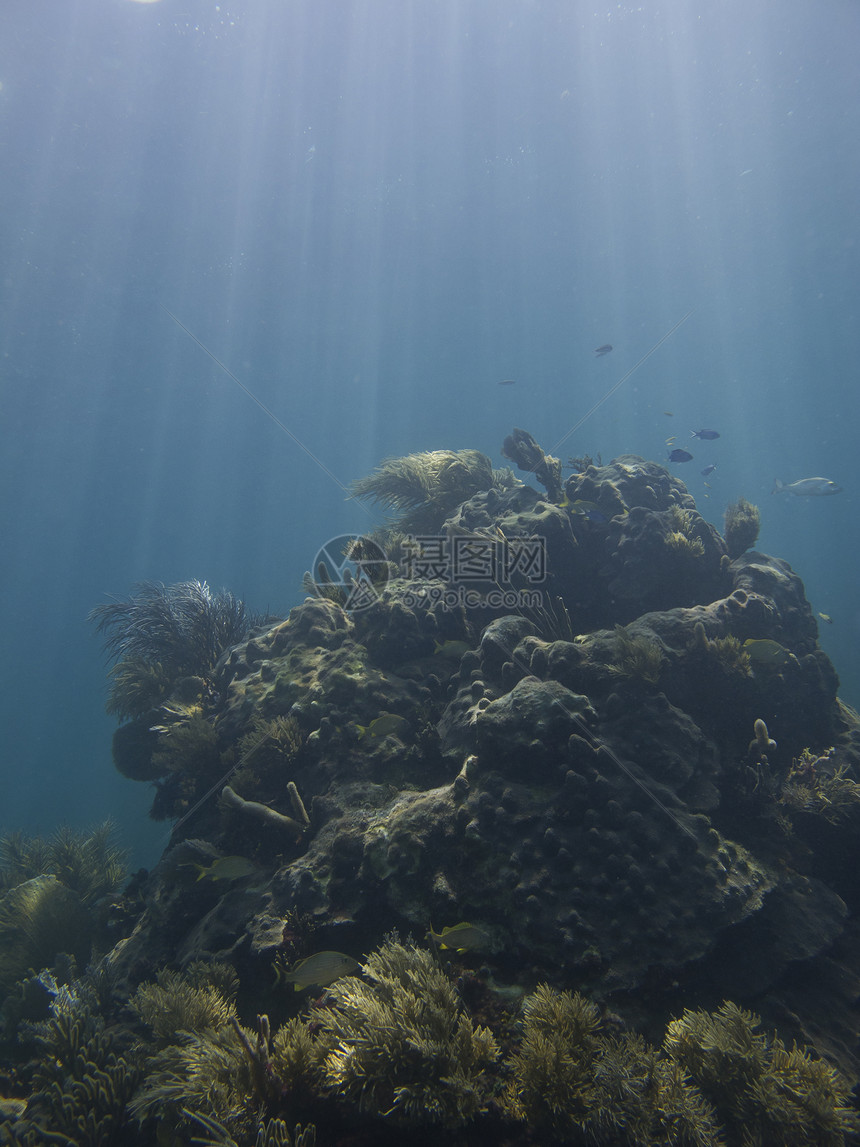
(270, 1133)
(726, 653)
(268, 748)
(296, 826)
(187, 742)
(572, 1079)
(206, 1071)
(400, 1045)
(83, 1082)
(136, 688)
(766, 1094)
(199, 1059)
(40, 918)
(523, 450)
(833, 796)
(199, 1000)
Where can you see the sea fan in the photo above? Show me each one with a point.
(183, 628)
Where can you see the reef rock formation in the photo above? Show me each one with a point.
(561, 756)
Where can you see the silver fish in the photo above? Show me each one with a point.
(807, 487)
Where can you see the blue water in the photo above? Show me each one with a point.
(372, 212)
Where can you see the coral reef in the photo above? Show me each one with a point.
(545, 748)
(576, 781)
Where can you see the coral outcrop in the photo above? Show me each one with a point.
(577, 721)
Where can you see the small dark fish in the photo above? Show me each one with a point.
(680, 456)
(707, 435)
(668, 413)
(508, 382)
(709, 470)
(602, 350)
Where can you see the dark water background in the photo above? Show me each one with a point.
(373, 212)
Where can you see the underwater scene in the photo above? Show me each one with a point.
(431, 702)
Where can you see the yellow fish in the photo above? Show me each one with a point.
(826, 617)
(317, 970)
(383, 726)
(226, 868)
(462, 937)
(763, 651)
